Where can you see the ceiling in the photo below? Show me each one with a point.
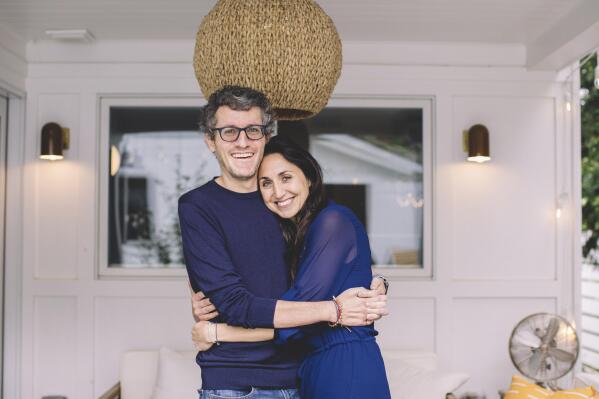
(487, 21)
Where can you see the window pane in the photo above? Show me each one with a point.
(162, 155)
(372, 159)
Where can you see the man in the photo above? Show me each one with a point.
(234, 253)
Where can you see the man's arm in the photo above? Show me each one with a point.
(211, 270)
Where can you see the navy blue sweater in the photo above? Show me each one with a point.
(234, 252)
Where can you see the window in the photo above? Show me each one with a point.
(377, 160)
(152, 153)
(376, 156)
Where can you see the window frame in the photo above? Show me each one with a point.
(426, 103)
(105, 102)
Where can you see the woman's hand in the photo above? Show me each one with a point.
(201, 336)
(360, 307)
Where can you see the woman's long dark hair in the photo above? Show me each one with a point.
(294, 230)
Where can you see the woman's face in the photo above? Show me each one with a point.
(283, 186)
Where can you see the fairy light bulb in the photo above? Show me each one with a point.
(561, 201)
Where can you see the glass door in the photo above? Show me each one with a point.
(3, 128)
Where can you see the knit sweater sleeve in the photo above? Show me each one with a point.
(212, 271)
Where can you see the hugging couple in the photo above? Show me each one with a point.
(284, 294)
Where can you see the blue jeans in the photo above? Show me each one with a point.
(254, 393)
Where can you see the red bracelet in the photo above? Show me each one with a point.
(339, 312)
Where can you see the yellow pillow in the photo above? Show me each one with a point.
(521, 388)
(580, 393)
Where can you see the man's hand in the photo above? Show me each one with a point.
(202, 308)
(361, 307)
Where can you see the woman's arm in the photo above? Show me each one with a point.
(327, 260)
(205, 334)
(226, 333)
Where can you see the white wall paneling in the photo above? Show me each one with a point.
(481, 330)
(410, 326)
(57, 193)
(498, 252)
(54, 346)
(504, 210)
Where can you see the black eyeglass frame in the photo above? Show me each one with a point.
(239, 130)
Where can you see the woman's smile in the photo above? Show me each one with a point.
(283, 186)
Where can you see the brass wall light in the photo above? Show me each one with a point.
(55, 139)
(476, 143)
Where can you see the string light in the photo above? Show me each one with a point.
(407, 200)
(560, 204)
(567, 96)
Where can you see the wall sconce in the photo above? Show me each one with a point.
(476, 143)
(115, 160)
(55, 139)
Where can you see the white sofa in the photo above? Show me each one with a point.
(168, 374)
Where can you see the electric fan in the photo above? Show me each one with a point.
(544, 347)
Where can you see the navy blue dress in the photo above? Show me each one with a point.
(339, 363)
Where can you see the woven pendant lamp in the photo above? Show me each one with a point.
(288, 49)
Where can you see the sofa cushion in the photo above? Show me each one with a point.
(178, 375)
(138, 374)
(411, 375)
(144, 371)
(410, 381)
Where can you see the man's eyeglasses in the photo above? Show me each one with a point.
(231, 133)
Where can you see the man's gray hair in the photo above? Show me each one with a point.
(239, 99)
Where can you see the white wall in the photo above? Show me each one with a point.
(499, 253)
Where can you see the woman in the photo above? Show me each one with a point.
(328, 252)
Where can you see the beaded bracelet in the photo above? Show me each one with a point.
(338, 310)
(339, 321)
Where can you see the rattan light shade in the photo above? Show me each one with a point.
(288, 49)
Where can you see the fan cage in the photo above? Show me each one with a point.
(563, 321)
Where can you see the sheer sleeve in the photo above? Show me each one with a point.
(330, 248)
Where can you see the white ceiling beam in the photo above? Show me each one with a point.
(569, 40)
